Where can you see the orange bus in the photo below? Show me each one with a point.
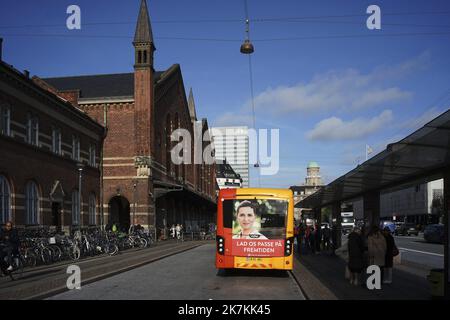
(255, 229)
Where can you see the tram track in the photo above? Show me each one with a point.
(44, 283)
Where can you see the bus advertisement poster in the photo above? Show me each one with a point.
(258, 248)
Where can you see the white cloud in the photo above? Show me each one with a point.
(420, 62)
(346, 90)
(336, 129)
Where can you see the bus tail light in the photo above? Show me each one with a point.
(220, 245)
(288, 246)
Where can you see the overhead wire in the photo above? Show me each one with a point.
(235, 20)
(323, 37)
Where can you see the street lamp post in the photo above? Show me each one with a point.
(80, 170)
(134, 200)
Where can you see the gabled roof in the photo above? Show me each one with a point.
(98, 86)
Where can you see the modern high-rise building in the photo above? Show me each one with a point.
(231, 144)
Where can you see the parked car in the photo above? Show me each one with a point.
(406, 229)
(389, 224)
(434, 233)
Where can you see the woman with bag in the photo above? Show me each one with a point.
(391, 252)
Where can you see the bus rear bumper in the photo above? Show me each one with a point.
(269, 263)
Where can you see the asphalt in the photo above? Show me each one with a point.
(190, 275)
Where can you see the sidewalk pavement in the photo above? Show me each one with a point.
(322, 277)
(44, 281)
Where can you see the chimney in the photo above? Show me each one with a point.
(1, 41)
(26, 73)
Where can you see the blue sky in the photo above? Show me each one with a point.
(329, 95)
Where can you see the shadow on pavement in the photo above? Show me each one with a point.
(252, 273)
(330, 270)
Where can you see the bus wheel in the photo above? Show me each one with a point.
(222, 272)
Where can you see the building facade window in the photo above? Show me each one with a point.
(75, 208)
(75, 148)
(56, 140)
(92, 210)
(5, 119)
(32, 203)
(5, 200)
(32, 130)
(168, 129)
(92, 155)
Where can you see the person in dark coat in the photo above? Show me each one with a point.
(334, 238)
(318, 237)
(312, 240)
(389, 259)
(355, 255)
(307, 239)
(10, 244)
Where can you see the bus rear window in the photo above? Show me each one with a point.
(256, 218)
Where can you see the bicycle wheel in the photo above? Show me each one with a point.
(112, 249)
(56, 253)
(46, 255)
(18, 273)
(141, 242)
(30, 258)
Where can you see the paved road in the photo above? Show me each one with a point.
(418, 251)
(190, 275)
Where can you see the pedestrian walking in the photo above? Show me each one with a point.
(376, 248)
(172, 231)
(355, 256)
(318, 237)
(326, 235)
(391, 252)
(298, 235)
(178, 231)
(307, 239)
(334, 237)
(312, 240)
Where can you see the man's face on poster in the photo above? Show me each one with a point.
(246, 217)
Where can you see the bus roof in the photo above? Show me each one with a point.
(281, 193)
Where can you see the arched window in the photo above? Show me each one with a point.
(32, 203)
(75, 208)
(92, 210)
(145, 56)
(5, 200)
(139, 56)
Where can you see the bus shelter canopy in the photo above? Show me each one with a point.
(423, 154)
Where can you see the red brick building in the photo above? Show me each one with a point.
(140, 110)
(43, 141)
